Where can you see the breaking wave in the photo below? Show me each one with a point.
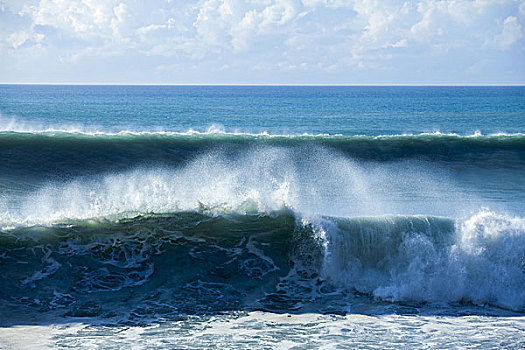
(282, 261)
(166, 224)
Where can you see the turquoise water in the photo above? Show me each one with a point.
(276, 110)
(174, 214)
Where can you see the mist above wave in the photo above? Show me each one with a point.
(263, 179)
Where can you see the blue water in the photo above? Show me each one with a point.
(164, 211)
(276, 110)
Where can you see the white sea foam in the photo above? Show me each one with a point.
(480, 260)
(280, 331)
(13, 124)
(17, 125)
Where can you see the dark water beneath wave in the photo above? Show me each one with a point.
(162, 267)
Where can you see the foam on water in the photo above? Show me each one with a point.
(12, 124)
(478, 259)
(282, 331)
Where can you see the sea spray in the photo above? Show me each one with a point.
(309, 179)
(428, 259)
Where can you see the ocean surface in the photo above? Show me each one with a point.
(262, 217)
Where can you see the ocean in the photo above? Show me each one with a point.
(262, 217)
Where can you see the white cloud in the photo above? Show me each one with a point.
(369, 39)
(17, 39)
(511, 33)
(83, 17)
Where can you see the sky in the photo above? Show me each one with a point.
(361, 42)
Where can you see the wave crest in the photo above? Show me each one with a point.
(480, 259)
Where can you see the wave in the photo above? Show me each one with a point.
(184, 223)
(218, 130)
(479, 259)
(14, 125)
(68, 155)
(190, 262)
(55, 179)
(258, 180)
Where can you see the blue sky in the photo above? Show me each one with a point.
(262, 42)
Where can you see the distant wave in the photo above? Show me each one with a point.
(139, 146)
(16, 125)
(214, 131)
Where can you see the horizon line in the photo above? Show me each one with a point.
(270, 85)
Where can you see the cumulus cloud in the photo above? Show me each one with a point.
(263, 41)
